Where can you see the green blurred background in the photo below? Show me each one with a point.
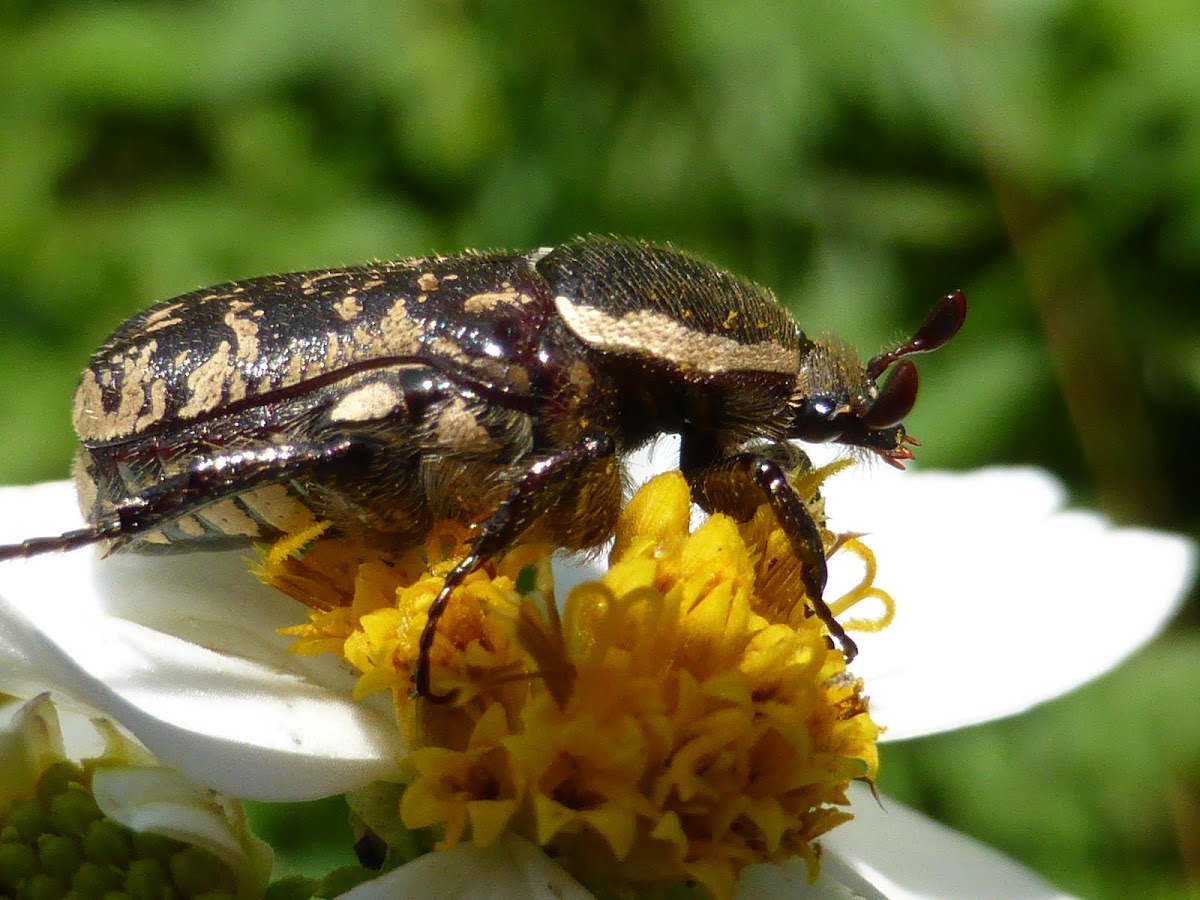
(861, 158)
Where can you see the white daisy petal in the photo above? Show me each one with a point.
(904, 854)
(183, 651)
(510, 868)
(1003, 600)
(160, 801)
(837, 881)
(18, 677)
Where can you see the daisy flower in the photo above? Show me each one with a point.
(678, 719)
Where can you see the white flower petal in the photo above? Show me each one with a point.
(837, 881)
(160, 801)
(1003, 600)
(18, 677)
(31, 741)
(182, 650)
(510, 868)
(905, 854)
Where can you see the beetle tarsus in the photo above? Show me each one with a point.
(71, 540)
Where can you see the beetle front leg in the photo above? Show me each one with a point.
(715, 486)
(499, 531)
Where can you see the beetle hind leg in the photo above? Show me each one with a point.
(70, 540)
(528, 501)
(204, 483)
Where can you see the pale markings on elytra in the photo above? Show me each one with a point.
(162, 318)
(228, 518)
(348, 308)
(445, 347)
(370, 402)
(366, 341)
(372, 284)
(161, 324)
(487, 301)
(309, 285)
(158, 405)
(92, 421)
(165, 312)
(401, 334)
(206, 383)
(427, 282)
(333, 351)
(294, 371)
(245, 333)
(237, 386)
(457, 427)
(658, 336)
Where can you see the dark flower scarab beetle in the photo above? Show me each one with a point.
(493, 388)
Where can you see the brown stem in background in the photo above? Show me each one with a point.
(1185, 809)
(1099, 386)
(1049, 240)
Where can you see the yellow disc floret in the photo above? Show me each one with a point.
(681, 718)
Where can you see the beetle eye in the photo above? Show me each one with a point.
(816, 422)
(895, 399)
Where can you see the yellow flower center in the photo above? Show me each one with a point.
(683, 717)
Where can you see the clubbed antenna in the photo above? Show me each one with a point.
(939, 326)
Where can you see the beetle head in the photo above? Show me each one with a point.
(838, 399)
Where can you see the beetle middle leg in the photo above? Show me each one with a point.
(498, 532)
(715, 486)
